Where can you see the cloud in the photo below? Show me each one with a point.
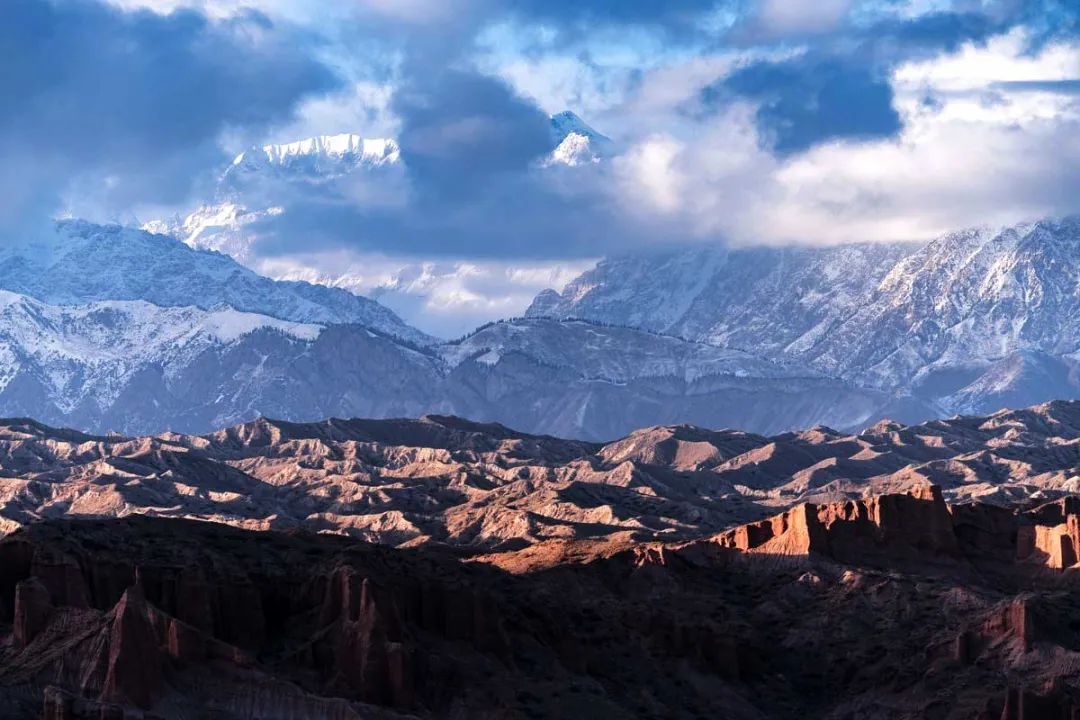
(807, 100)
(994, 146)
(310, 11)
(129, 107)
(734, 121)
(784, 17)
(442, 298)
(768, 144)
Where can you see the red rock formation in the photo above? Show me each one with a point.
(134, 661)
(918, 521)
(343, 630)
(362, 643)
(1051, 703)
(32, 609)
(1054, 546)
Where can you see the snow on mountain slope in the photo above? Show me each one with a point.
(966, 300)
(134, 367)
(85, 356)
(226, 228)
(972, 319)
(317, 159)
(575, 142)
(613, 354)
(593, 381)
(83, 263)
(759, 299)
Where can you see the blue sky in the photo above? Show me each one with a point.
(735, 122)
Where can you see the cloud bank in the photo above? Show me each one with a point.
(734, 122)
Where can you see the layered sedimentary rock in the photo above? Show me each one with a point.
(914, 521)
(894, 606)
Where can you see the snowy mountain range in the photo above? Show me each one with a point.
(83, 263)
(110, 328)
(966, 323)
(118, 329)
(315, 160)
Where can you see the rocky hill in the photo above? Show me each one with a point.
(482, 486)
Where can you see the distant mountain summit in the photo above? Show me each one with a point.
(575, 142)
(261, 183)
(85, 263)
(317, 159)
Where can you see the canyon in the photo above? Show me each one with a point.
(442, 568)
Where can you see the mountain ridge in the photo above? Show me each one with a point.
(84, 262)
(942, 322)
(133, 366)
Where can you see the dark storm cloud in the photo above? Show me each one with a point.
(472, 149)
(840, 88)
(461, 133)
(805, 102)
(134, 101)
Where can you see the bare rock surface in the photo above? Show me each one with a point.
(441, 568)
(486, 487)
(893, 606)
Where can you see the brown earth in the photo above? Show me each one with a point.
(483, 486)
(896, 606)
(438, 568)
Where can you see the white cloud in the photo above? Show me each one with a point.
(446, 298)
(652, 175)
(308, 11)
(362, 108)
(973, 151)
(802, 16)
(1002, 59)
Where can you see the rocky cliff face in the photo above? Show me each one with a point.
(897, 606)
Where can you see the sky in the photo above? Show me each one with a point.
(733, 123)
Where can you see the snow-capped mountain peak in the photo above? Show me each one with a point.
(312, 160)
(84, 263)
(568, 123)
(576, 143)
(372, 151)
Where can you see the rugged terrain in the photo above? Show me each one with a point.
(973, 321)
(110, 329)
(894, 606)
(441, 568)
(486, 487)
